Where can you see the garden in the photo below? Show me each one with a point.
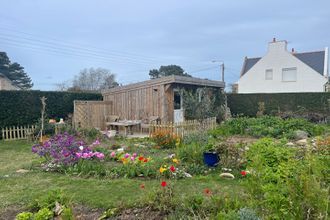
(268, 168)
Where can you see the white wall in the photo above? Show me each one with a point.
(277, 58)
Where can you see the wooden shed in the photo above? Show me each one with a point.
(156, 97)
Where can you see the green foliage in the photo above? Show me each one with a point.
(24, 216)
(90, 133)
(191, 153)
(165, 139)
(302, 104)
(203, 103)
(268, 126)
(167, 71)
(88, 168)
(23, 107)
(287, 183)
(43, 214)
(49, 200)
(14, 72)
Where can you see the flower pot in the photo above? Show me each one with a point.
(211, 158)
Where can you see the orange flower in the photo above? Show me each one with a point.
(141, 158)
(145, 160)
(207, 192)
(142, 186)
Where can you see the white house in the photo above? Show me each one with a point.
(6, 84)
(281, 71)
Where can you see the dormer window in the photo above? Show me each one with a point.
(289, 74)
(269, 74)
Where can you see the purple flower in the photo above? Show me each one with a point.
(127, 155)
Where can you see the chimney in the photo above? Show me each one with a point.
(277, 45)
(292, 50)
(274, 39)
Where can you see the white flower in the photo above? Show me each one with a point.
(81, 147)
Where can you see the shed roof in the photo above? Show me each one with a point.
(315, 60)
(173, 79)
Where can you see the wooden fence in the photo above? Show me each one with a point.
(91, 114)
(18, 132)
(184, 128)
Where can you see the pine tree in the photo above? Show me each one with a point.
(15, 72)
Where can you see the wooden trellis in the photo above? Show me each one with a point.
(91, 114)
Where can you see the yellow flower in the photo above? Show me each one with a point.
(161, 169)
(175, 161)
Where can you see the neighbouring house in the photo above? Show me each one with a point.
(6, 84)
(156, 97)
(281, 71)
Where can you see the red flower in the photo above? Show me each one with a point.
(163, 184)
(145, 160)
(243, 172)
(142, 186)
(207, 192)
(172, 168)
(141, 158)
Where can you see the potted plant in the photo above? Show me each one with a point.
(211, 156)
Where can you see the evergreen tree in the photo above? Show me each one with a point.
(15, 72)
(167, 71)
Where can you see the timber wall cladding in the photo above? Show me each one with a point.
(140, 103)
(88, 114)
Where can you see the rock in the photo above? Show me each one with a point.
(290, 144)
(187, 175)
(58, 209)
(299, 135)
(227, 175)
(22, 171)
(302, 142)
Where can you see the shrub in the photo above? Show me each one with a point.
(165, 139)
(286, 183)
(268, 126)
(24, 216)
(64, 150)
(43, 214)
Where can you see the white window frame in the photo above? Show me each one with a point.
(288, 69)
(269, 74)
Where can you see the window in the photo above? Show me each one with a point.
(289, 74)
(177, 100)
(269, 74)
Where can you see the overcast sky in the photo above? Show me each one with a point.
(55, 39)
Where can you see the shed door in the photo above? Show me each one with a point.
(178, 109)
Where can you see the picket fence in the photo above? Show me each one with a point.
(18, 132)
(184, 128)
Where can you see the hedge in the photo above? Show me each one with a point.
(247, 104)
(24, 107)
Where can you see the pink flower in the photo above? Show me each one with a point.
(132, 158)
(134, 155)
(100, 155)
(127, 155)
(85, 155)
(96, 142)
(78, 155)
(113, 154)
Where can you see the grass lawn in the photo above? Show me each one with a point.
(19, 189)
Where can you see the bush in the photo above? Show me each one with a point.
(301, 104)
(165, 139)
(287, 183)
(268, 126)
(63, 150)
(23, 107)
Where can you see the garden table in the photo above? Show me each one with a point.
(127, 125)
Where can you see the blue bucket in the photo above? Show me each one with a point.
(211, 158)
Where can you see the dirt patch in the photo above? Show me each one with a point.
(141, 213)
(10, 212)
(236, 139)
(84, 213)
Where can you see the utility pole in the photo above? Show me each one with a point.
(222, 68)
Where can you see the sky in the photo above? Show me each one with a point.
(55, 39)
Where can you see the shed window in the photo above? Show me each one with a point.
(269, 74)
(289, 74)
(177, 100)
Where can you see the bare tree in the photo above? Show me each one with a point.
(90, 80)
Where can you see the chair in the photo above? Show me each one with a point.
(110, 118)
(145, 124)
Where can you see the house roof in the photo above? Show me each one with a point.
(315, 60)
(173, 79)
